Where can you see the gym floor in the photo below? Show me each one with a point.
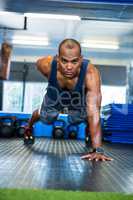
(56, 164)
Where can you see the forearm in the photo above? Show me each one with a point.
(5, 60)
(97, 152)
(5, 70)
(95, 131)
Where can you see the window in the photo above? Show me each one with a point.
(12, 96)
(113, 94)
(34, 93)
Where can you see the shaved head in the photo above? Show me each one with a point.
(68, 45)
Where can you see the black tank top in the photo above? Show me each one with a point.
(59, 98)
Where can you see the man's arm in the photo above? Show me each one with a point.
(44, 65)
(93, 100)
(5, 61)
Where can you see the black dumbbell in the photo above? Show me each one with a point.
(72, 131)
(58, 129)
(58, 133)
(7, 128)
(20, 126)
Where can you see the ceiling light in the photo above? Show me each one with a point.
(52, 16)
(30, 40)
(100, 44)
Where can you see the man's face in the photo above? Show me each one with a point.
(69, 61)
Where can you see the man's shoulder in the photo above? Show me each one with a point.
(44, 65)
(92, 78)
(46, 60)
(91, 69)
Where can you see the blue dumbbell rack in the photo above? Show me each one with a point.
(41, 129)
(45, 130)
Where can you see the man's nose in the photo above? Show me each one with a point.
(69, 65)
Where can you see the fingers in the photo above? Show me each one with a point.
(85, 156)
(96, 157)
(109, 159)
(106, 158)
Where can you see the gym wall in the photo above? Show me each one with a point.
(18, 72)
(110, 75)
(113, 75)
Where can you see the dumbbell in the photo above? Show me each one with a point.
(58, 129)
(7, 128)
(20, 126)
(72, 131)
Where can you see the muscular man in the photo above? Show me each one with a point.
(73, 83)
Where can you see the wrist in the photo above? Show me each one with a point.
(99, 150)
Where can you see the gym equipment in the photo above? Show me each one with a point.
(47, 130)
(7, 128)
(20, 126)
(118, 123)
(58, 129)
(72, 131)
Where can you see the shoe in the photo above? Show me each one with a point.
(28, 137)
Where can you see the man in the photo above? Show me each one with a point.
(74, 83)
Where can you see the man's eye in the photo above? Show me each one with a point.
(75, 61)
(64, 61)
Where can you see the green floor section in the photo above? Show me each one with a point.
(35, 194)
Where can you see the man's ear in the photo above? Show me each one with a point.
(81, 58)
(57, 58)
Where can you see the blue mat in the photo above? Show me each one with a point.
(118, 123)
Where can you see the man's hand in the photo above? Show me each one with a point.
(96, 156)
